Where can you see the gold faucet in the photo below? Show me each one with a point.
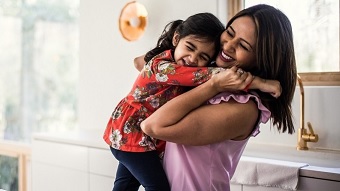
(303, 136)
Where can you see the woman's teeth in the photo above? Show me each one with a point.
(226, 57)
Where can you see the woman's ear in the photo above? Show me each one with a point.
(175, 39)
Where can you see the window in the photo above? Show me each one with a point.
(316, 32)
(8, 173)
(38, 78)
(316, 36)
(38, 67)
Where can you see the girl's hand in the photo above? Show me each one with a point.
(273, 87)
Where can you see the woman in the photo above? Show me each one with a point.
(206, 141)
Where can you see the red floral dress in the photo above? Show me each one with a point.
(160, 81)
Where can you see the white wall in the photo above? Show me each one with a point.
(322, 110)
(107, 71)
(106, 59)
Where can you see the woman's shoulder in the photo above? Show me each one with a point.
(243, 98)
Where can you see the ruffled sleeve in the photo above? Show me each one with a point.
(244, 98)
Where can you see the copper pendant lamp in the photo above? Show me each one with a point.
(132, 20)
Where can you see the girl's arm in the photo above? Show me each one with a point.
(270, 86)
(186, 120)
(163, 70)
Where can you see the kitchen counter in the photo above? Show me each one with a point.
(323, 164)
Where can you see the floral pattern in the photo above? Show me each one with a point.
(159, 81)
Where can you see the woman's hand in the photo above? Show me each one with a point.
(233, 79)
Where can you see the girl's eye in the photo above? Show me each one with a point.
(190, 48)
(204, 58)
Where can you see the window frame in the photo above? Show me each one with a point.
(309, 78)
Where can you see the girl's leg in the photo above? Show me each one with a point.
(146, 167)
(125, 181)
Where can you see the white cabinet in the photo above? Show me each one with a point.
(102, 168)
(98, 183)
(84, 162)
(55, 178)
(305, 184)
(72, 165)
(314, 184)
(57, 166)
(102, 162)
(262, 188)
(235, 187)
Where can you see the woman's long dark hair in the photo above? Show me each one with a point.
(275, 59)
(205, 26)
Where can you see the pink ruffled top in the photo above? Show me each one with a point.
(209, 167)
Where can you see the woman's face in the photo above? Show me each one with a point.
(192, 51)
(238, 44)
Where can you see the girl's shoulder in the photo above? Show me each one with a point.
(165, 55)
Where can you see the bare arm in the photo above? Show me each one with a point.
(184, 120)
(139, 62)
(269, 86)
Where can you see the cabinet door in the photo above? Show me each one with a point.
(102, 167)
(235, 187)
(313, 184)
(102, 162)
(53, 178)
(60, 154)
(98, 182)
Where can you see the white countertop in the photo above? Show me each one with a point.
(322, 164)
(88, 138)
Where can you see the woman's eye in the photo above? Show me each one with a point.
(244, 47)
(230, 33)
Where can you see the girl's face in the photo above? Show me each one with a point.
(238, 44)
(191, 51)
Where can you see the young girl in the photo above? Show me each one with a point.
(193, 42)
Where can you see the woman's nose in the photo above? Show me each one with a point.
(229, 45)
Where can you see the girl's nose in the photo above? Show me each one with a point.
(193, 60)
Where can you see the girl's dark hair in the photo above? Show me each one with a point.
(275, 59)
(205, 26)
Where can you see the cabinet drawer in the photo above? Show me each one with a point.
(102, 162)
(53, 178)
(314, 184)
(262, 188)
(101, 182)
(235, 187)
(59, 154)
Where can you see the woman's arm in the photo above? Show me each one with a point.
(139, 62)
(184, 120)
